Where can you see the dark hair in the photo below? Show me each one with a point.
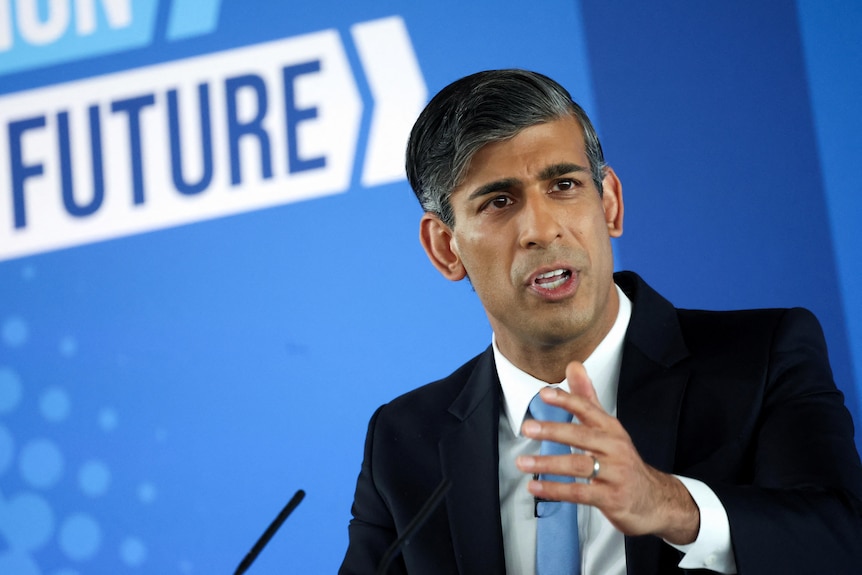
(476, 110)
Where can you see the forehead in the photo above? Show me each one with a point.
(528, 152)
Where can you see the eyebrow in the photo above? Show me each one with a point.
(493, 187)
(547, 173)
(557, 170)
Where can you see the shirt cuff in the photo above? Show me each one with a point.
(712, 549)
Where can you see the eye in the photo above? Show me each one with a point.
(497, 203)
(566, 185)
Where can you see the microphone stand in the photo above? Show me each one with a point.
(414, 525)
(270, 531)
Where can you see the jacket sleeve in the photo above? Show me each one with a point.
(801, 512)
(372, 528)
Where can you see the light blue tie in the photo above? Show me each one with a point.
(557, 547)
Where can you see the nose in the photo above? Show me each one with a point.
(539, 221)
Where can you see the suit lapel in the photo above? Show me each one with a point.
(469, 458)
(652, 382)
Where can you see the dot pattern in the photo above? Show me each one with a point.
(40, 461)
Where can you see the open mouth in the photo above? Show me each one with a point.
(553, 279)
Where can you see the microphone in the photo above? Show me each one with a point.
(270, 531)
(414, 525)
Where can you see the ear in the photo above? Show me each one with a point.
(612, 202)
(439, 243)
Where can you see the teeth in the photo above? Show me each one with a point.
(547, 275)
(553, 279)
(554, 284)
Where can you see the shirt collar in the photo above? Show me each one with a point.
(603, 367)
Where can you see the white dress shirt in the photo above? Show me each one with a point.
(602, 546)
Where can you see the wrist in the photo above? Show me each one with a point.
(682, 515)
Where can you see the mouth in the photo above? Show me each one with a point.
(553, 279)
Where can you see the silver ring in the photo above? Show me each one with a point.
(596, 468)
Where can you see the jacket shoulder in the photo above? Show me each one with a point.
(744, 332)
(438, 393)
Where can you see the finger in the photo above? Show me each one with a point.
(587, 411)
(556, 491)
(580, 383)
(571, 434)
(577, 465)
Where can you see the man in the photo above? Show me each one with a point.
(701, 440)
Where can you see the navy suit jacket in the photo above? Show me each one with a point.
(741, 400)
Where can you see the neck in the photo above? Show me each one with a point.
(547, 359)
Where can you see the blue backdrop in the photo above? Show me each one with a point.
(209, 266)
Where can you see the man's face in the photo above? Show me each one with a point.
(532, 233)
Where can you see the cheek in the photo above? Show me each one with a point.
(595, 232)
(471, 248)
(483, 265)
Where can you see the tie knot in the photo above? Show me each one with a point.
(541, 410)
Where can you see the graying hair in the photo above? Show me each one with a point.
(485, 107)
